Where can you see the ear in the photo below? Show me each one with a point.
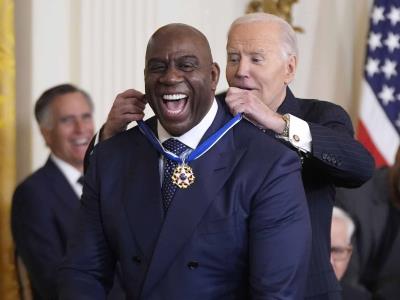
(46, 133)
(291, 66)
(215, 71)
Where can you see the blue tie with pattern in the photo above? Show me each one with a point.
(168, 188)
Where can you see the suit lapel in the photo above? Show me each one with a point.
(189, 205)
(142, 194)
(60, 185)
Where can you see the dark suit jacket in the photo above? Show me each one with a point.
(336, 159)
(375, 262)
(240, 232)
(43, 213)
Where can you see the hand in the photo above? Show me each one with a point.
(128, 106)
(254, 109)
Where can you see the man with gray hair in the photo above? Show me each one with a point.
(44, 205)
(341, 248)
(342, 231)
(262, 60)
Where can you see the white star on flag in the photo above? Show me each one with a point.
(377, 14)
(394, 15)
(378, 126)
(372, 66)
(389, 68)
(374, 40)
(392, 41)
(386, 94)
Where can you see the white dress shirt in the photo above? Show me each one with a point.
(192, 137)
(71, 173)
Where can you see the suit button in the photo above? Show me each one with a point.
(137, 259)
(193, 265)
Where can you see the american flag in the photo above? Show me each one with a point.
(379, 123)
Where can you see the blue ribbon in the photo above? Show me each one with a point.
(190, 155)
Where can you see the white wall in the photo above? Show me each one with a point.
(100, 44)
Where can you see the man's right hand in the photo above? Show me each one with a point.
(127, 107)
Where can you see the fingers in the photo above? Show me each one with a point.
(128, 106)
(237, 100)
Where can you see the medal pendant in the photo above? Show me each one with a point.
(183, 176)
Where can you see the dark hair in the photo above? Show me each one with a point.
(43, 103)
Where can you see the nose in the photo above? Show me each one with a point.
(171, 76)
(79, 125)
(242, 70)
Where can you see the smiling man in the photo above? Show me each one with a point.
(262, 58)
(44, 205)
(193, 203)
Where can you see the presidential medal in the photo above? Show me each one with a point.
(183, 176)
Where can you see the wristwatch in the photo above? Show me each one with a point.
(285, 132)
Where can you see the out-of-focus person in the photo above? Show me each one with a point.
(375, 209)
(45, 204)
(342, 230)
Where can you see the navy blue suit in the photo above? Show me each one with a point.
(241, 231)
(44, 208)
(336, 159)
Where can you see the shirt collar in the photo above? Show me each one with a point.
(70, 172)
(193, 136)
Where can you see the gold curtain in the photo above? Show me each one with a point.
(8, 285)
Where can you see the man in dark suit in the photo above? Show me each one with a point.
(261, 62)
(236, 232)
(45, 204)
(342, 230)
(375, 208)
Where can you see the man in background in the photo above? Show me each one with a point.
(44, 205)
(341, 249)
(375, 208)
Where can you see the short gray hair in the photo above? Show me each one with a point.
(289, 39)
(42, 106)
(340, 214)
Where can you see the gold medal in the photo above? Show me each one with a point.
(183, 176)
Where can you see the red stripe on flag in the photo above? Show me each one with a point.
(364, 138)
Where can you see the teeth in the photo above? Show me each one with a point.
(81, 141)
(174, 97)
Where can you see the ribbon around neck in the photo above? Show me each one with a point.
(189, 155)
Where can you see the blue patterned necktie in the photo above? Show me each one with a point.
(168, 188)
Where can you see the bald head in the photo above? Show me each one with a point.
(179, 31)
(180, 77)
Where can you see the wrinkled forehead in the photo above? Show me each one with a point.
(255, 35)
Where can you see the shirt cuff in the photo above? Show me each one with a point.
(299, 134)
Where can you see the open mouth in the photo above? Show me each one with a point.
(174, 104)
(80, 142)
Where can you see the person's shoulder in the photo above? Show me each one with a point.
(33, 180)
(123, 140)
(352, 291)
(320, 107)
(259, 141)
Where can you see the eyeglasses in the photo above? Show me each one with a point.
(341, 253)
